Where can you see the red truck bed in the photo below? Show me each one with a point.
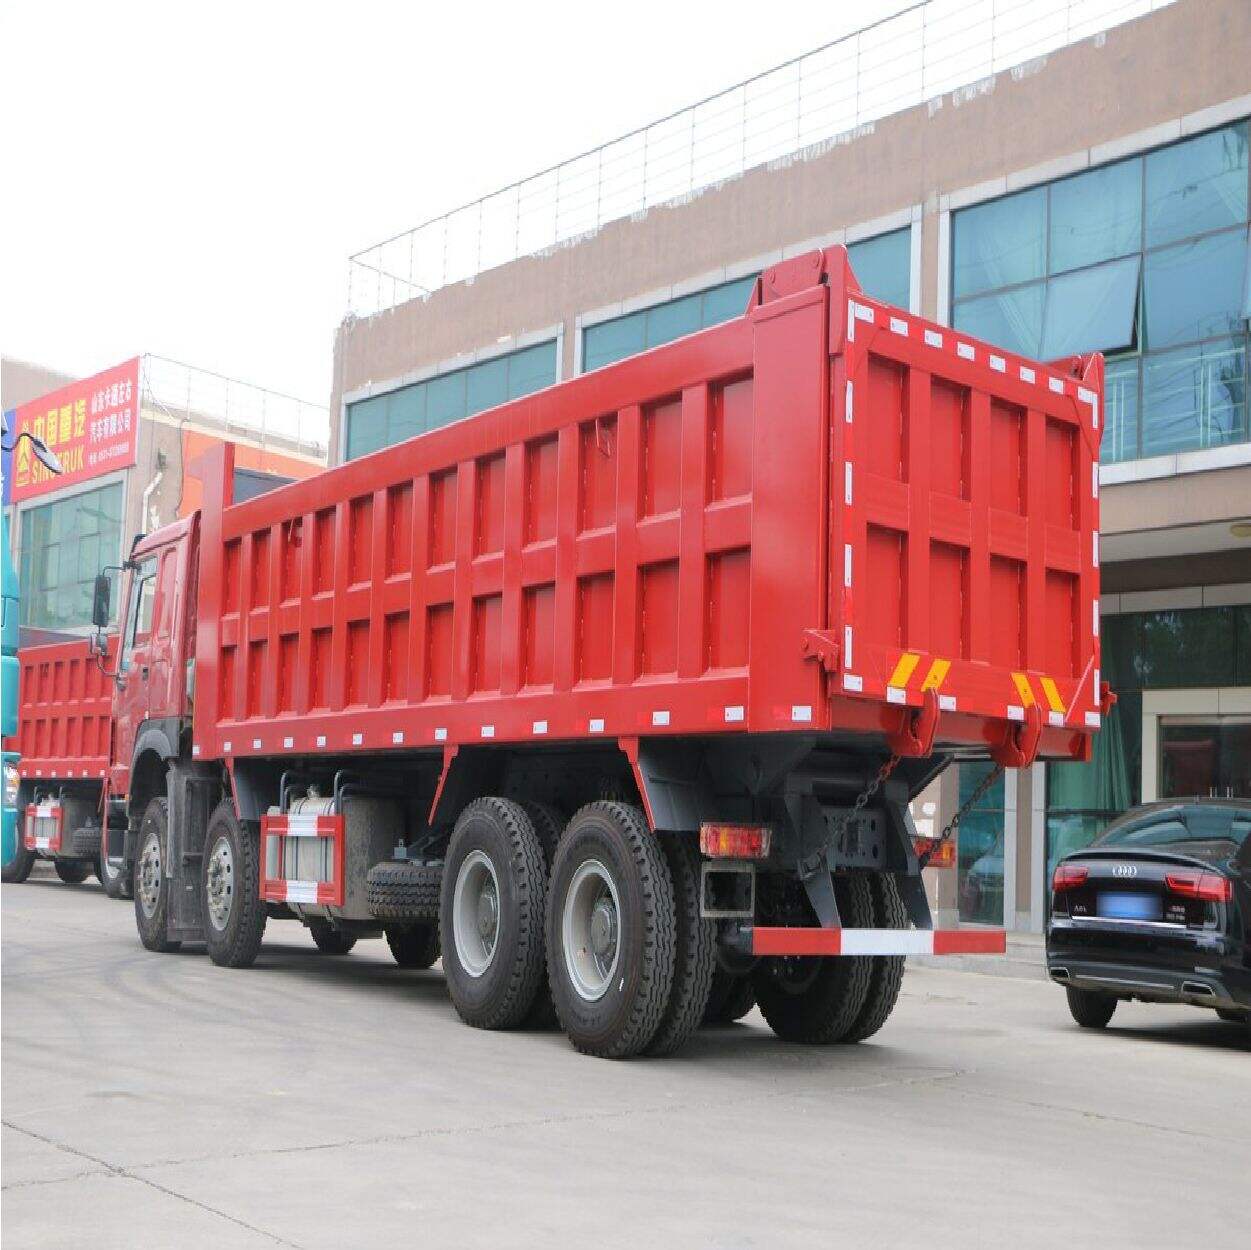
(824, 515)
(63, 715)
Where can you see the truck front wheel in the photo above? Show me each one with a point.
(611, 931)
(152, 879)
(234, 917)
(817, 1000)
(494, 895)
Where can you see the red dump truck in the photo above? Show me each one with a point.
(617, 694)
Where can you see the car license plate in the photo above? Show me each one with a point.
(1119, 906)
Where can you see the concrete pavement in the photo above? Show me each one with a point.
(323, 1102)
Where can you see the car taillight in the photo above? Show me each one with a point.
(1211, 887)
(735, 841)
(1068, 877)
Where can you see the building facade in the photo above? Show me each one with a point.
(1094, 197)
(74, 527)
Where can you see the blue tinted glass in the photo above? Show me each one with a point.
(1096, 216)
(670, 321)
(406, 413)
(1011, 320)
(445, 399)
(1091, 310)
(883, 266)
(1196, 290)
(1197, 186)
(1120, 435)
(613, 340)
(1195, 397)
(532, 369)
(726, 301)
(367, 426)
(486, 385)
(1000, 243)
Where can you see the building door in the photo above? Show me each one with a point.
(1208, 757)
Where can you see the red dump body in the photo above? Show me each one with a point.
(825, 515)
(64, 713)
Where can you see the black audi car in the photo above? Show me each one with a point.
(1157, 909)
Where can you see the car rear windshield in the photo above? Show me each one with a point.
(1210, 824)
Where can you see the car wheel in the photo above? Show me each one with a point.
(1090, 1009)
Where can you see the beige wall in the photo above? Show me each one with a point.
(21, 381)
(1141, 75)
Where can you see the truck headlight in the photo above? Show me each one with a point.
(11, 781)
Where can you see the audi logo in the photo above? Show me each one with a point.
(1125, 870)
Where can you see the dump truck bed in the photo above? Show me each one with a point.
(825, 516)
(64, 712)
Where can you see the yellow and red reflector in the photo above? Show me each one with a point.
(1068, 877)
(1211, 887)
(942, 854)
(735, 841)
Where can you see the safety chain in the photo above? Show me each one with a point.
(862, 799)
(953, 824)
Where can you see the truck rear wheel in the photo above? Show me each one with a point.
(18, 868)
(72, 871)
(610, 931)
(694, 956)
(329, 940)
(234, 917)
(815, 1000)
(152, 879)
(548, 826)
(886, 973)
(417, 947)
(732, 996)
(494, 893)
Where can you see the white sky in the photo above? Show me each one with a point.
(190, 180)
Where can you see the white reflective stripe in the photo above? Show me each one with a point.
(886, 941)
(660, 718)
(1056, 718)
(1092, 720)
(1056, 385)
(847, 483)
(998, 364)
(933, 338)
(301, 891)
(595, 725)
(847, 564)
(256, 744)
(851, 320)
(1016, 711)
(1027, 375)
(801, 712)
(1086, 395)
(397, 738)
(847, 640)
(440, 734)
(1094, 480)
(195, 750)
(1095, 547)
(46, 809)
(539, 726)
(853, 682)
(734, 713)
(488, 731)
(226, 746)
(848, 406)
(947, 702)
(321, 740)
(288, 743)
(358, 740)
(1095, 606)
(862, 313)
(896, 694)
(303, 825)
(899, 326)
(966, 350)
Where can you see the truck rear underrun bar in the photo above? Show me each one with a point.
(809, 941)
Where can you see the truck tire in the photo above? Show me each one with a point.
(610, 931)
(886, 972)
(72, 871)
(548, 826)
(152, 879)
(491, 917)
(329, 940)
(85, 842)
(234, 916)
(415, 947)
(1089, 1008)
(814, 1000)
(400, 890)
(18, 868)
(732, 996)
(694, 952)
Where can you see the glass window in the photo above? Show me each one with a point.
(1120, 400)
(980, 848)
(883, 266)
(1198, 185)
(1011, 320)
(388, 419)
(613, 340)
(139, 609)
(1196, 290)
(64, 544)
(1092, 310)
(1000, 243)
(727, 301)
(670, 321)
(1196, 397)
(1096, 216)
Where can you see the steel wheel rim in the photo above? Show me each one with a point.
(590, 930)
(220, 883)
(476, 913)
(148, 885)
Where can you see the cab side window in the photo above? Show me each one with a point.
(139, 609)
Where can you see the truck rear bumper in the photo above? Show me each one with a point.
(809, 941)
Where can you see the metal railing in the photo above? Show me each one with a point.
(793, 111)
(226, 405)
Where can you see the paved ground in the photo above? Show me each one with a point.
(316, 1102)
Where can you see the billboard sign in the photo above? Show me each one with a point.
(92, 426)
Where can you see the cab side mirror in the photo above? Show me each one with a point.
(100, 601)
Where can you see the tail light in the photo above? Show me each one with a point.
(1210, 887)
(735, 841)
(1068, 877)
(942, 854)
